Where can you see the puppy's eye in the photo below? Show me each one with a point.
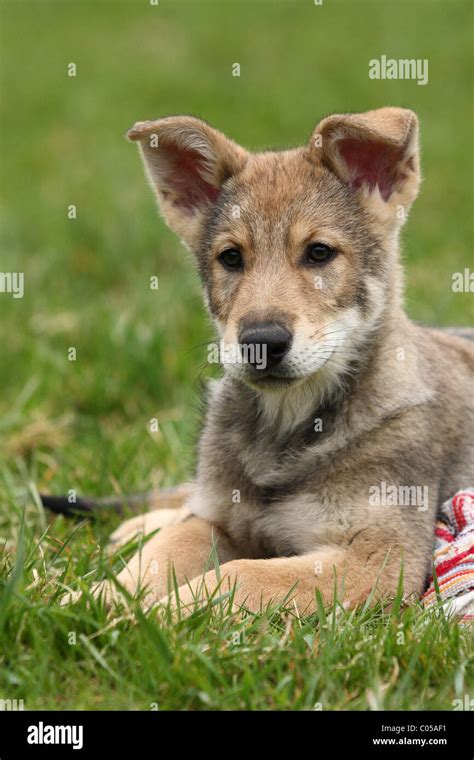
(231, 258)
(318, 253)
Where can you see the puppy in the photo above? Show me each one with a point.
(339, 426)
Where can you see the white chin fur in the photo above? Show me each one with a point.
(318, 363)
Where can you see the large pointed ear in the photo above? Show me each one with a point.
(187, 161)
(377, 150)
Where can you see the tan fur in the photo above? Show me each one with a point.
(394, 399)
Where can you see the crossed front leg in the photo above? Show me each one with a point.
(254, 584)
(184, 551)
(177, 554)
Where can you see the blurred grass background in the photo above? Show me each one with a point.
(141, 353)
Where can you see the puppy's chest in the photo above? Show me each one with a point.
(282, 514)
(272, 530)
(274, 495)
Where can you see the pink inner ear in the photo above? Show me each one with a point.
(375, 164)
(183, 178)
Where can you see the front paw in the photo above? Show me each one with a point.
(103, 592)
(114, 596)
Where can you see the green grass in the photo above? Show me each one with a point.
(141, 353)
(402, 659)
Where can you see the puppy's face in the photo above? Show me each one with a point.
(292, 270)
(296, 249)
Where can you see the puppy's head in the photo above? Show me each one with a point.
(296, 249)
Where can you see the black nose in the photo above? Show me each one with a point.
(264, 344)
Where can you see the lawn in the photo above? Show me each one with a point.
(80, 419)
